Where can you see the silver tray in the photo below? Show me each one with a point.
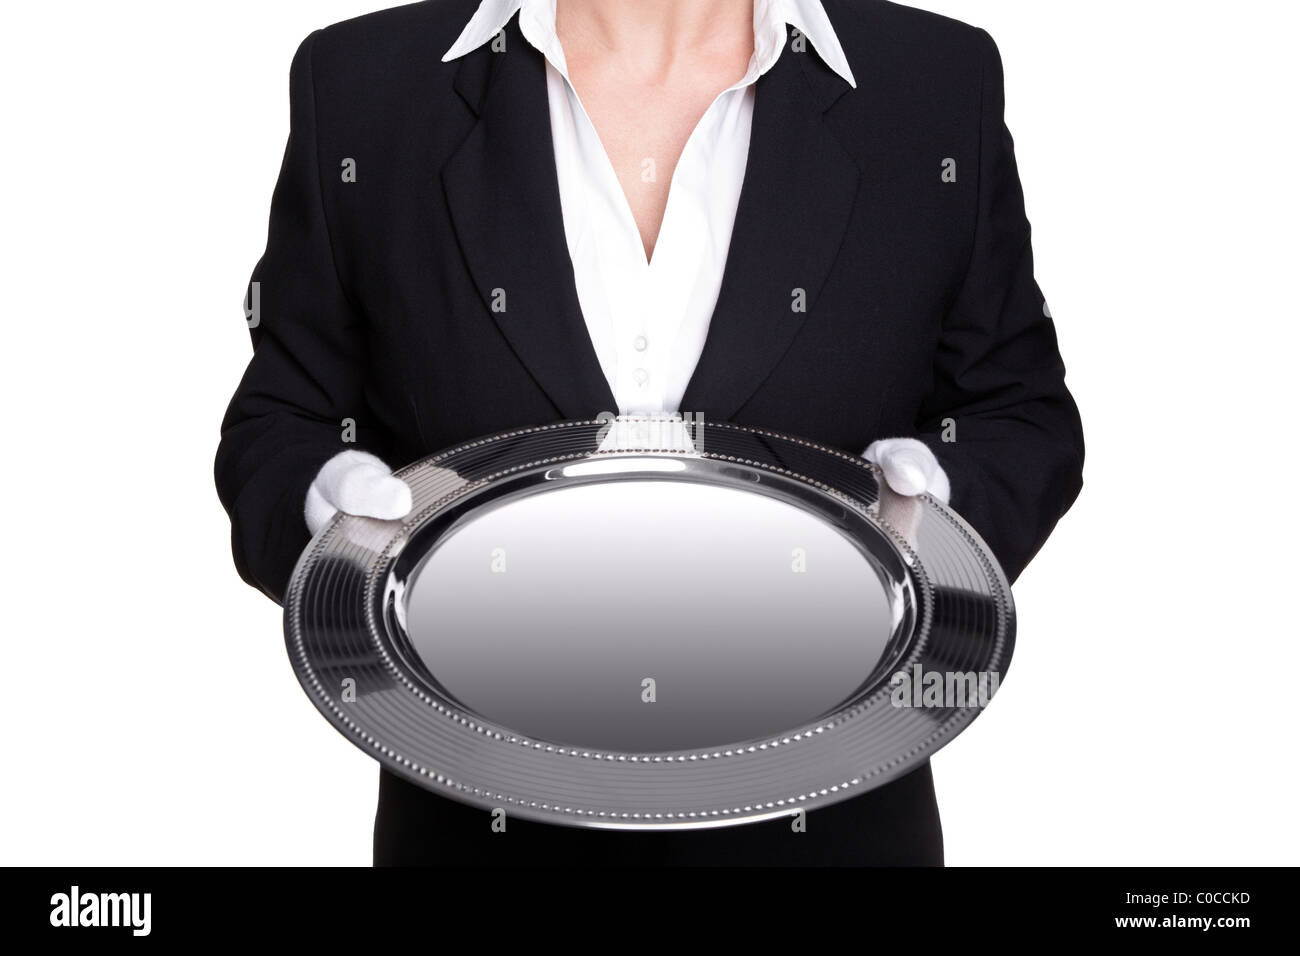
(640, 625)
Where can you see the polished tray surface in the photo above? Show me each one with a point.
(647, 624)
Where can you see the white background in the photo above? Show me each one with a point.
(150, 712)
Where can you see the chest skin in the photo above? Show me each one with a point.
(645, 116)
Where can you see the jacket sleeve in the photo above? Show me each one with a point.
(999, 418)
(306, 376)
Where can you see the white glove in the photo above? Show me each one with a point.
(910, 467)
(356, 483)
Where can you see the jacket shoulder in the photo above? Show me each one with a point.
(385, 38)
(893, 31)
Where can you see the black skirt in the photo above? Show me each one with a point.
(893, 825)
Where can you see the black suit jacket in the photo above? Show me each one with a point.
(921, 304)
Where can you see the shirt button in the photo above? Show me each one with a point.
(641, 376)
(639, 343)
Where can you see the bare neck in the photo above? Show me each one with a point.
(650, 37)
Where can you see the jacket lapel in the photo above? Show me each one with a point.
(794, 207)
(504, 198)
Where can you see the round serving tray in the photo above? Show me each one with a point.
(641, 625)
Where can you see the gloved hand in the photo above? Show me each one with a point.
(356, 483)
(910, 467)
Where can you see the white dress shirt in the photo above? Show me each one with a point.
(648, 320)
